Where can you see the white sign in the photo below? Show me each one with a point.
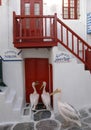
(89, 23)
(62, 57)
(11, 55)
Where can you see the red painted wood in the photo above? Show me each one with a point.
(88, 59)
(36, 69)
(43, 44)
(51, 82)
(75, 44)
(35, 25)
(0, 2)
(25, 36)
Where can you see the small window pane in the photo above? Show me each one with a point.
(66, 11)
(27, 8)
(37, 9)
(66, 3)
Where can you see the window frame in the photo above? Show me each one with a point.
(69, 8)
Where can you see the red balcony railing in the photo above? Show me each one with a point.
(47, 31)
(33, 31)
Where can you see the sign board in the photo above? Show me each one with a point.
(89, 23)
(62, 57)
(11, 55)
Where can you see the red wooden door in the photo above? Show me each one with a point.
(32, 26)
(36, 69)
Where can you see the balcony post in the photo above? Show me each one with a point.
(55, 27)
(14, 27)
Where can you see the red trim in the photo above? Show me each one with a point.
(88, 59)
(0, 2)
(51, 81)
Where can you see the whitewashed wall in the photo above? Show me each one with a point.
(8, 6)
(3, 25)
(13, 76)
(73, 80)
(61, 78)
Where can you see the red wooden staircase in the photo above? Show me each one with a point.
(53, 31)
(74, 43)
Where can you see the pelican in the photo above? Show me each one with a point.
(34, 97)
(67, 111)
(45, 96)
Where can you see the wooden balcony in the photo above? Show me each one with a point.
(34, 31)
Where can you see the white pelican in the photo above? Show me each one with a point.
(34, 97)
(45, 96)
(68, 112)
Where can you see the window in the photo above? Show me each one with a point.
(70, 9)
(27, 12)
(36, 8)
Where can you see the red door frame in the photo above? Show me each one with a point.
(0, 2)
(35, 28)
(37, 69)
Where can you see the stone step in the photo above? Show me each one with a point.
(3, 93)
(11, 96)
(18, 104)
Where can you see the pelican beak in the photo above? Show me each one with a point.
(41, 86)
(55, 92)
(36, 83)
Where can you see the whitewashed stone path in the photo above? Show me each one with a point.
(39, 118)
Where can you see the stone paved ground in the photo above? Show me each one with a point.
(85, 119)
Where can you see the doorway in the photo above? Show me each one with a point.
(37, 69)
(32, 26)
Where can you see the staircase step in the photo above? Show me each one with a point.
(11, 96)
(18, 104)
(3, 93)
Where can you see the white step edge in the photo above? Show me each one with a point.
(18, 104)
(11, 96)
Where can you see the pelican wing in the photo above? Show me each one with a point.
(68, 112)
(71, 108)
(45, 98)
(34, 99)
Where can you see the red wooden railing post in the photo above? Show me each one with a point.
(14, 27)
(55, 27)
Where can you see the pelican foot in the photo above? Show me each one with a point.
(33, 109)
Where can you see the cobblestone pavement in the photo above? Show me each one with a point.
(52, 124)
(85, 120)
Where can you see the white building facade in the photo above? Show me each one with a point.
(67, 72)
